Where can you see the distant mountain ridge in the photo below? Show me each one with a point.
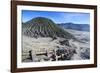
(80, 27)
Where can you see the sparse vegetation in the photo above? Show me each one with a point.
(44, 27)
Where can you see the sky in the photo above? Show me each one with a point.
(57, 17)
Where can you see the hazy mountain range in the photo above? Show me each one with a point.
(80, 27)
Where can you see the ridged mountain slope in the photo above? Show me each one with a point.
(44, 27)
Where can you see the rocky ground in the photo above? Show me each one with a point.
(48, 49)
